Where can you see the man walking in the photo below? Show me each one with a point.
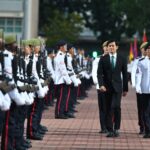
(110, 68)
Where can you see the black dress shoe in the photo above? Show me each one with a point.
(44, 128)
(61, 117)
(77, 103)
(141, 132)
(41, 131)
(110, 134)
(21, 148)
(147, 135)
(36, 138)
(26, 145)
(116, 133)
(27, 141)
(103, 131)
(70, 115)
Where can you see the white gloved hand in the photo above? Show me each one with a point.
(138, 90)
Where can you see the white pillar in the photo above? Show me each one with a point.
(31, 14)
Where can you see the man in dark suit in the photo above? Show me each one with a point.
(112, 78)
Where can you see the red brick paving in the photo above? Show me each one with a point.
(81, 133)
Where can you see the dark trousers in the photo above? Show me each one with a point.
(113, 110)
(2, 117)
(73, 97)
(34, 116)
(9, 128)
(51, 94)
(82, 92)
(20, 119)
(140, 111)
(146, 107)
(61, 95)
(102, 109)
(68, 91)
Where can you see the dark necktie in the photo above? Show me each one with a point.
(113, 62)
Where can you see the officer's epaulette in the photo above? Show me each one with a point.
(142, 59)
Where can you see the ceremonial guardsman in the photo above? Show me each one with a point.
(101, 96)
(72, 89)
(50, 68)
(62, 79)
(36, 131)
(81, 70)
(10, 130)
(143, 87)
(134, 81)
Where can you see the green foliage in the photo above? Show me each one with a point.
(63, 27)
(107, 18)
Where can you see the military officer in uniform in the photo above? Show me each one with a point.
(62, 79)
(134, 81)
(143, 87)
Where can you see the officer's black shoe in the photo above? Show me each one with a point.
(141, 132)
(147, 135)
(26, 145)
(27, 141)
(61, 117)
(77, 103)
(36, 137)
(103, 131)
(41, 131)
(44, 128)
(116, 133)
(81, 98)
(70, 115)
(110, 134)
(21, 148)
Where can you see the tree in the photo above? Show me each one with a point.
(62, 27)
(106, 18)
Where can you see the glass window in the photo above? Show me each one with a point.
(9, 29)
(17, 29)
(2, 22)
(9, 22)
(11, 25)
(18, 22)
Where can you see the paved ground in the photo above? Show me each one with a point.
(81, 133)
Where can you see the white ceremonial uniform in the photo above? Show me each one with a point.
(60, 70)
(143, 76)
(41, 92)
(50, 68)
(133, 71)
(70, 70)
(86, 75)
(94, 71)
(5, 100)
(14, 94)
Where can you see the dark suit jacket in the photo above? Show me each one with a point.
(111, 78)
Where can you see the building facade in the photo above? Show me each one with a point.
(19, 17)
